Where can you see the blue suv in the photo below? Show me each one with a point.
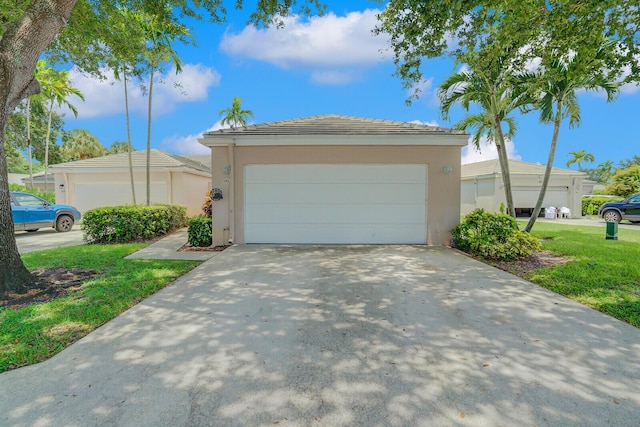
(31, 213)
(628, 208)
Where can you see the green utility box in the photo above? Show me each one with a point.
(612, 231)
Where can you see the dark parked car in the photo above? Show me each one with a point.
(628, 208)
(31, 213)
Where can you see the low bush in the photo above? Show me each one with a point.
(200, 231)
(493, 236)
(124, 224)
(591, 205)
(49, 196)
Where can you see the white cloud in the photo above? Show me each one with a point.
(105, 97)
(428, 123)
(188, 144)
(335, 48)
(487, 151)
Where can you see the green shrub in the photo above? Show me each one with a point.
(591, 205)
(123, 224)
(200, 231)
(49, 196)
(493, 236)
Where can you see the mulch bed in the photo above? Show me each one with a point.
(190, 248)
(55, 282)
(523, 267)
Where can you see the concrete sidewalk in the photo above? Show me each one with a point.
(167, 248)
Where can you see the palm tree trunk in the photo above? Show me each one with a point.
(547, 171)
(126, 108)
(46, 148)
(29, 142)
(504, 167)
(149, 139)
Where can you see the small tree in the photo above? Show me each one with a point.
(80, 144)
(625, 182)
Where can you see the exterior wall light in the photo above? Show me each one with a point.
(447, 169)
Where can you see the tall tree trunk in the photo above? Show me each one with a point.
(149, 138)
(29, 142)
(46, 149)
(14, 276)
(126, 108)
(504, 167)
(547, 171)
(20, 47)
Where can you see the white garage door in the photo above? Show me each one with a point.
(92, 195)
(301, 203)
(527, 197)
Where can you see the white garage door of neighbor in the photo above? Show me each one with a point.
(527, 197)
(88, 196)
(341, 204)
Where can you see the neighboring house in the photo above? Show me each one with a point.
(335, 180)
(105, 181)
(16, 178)
(482, 187)
(39, 181)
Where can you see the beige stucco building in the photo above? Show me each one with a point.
(105, 181)
(335, 180)
(482, 187)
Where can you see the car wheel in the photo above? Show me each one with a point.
(611, 216)
(32, 230)
(64, 223)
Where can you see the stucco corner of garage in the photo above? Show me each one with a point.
(335, 180)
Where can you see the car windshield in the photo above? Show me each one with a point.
(28, 200)
(635, 199)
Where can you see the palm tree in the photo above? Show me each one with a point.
(558, 84)
(161, 33)
(80, 144)
(56, 88)
(235, 115)
(579, 157)
(489, 87)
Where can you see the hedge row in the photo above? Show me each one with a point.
(122, 224)
(591, 205)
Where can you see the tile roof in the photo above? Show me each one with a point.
(490, 167)
(333, 124)
(158, 159)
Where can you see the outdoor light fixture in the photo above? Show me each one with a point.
(61, 187)
(447, 169)
(226, 170)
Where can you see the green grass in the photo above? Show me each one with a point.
(39, 331)
(602, 274)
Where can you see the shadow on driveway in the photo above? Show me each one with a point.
(364, 335)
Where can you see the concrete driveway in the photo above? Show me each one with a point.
(47, 238)
(340, 336)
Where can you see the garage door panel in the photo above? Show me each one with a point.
(331, 234)
(335, 203)
(334, 214)
(373, 174)
(314, 193)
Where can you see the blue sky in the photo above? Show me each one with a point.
(325, 65)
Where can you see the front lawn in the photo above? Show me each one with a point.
(602, 274)
(38, 331)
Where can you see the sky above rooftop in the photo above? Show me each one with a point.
(323, 65)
